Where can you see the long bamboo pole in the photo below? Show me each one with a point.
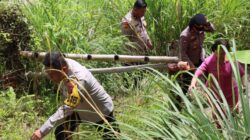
(101, 57)
(127, 68)
(111, 70)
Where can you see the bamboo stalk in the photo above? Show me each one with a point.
(110, 70)
(102, 57)
(127, 68)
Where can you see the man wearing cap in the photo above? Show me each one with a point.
(191, 46)
(134, 27)
(192, 38)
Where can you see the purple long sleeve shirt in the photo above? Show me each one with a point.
(223, 74)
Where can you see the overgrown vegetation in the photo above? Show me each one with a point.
(15, 35)
(145, 110)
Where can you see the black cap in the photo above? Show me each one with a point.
(198, 19)
(54, 60)
(140, 4)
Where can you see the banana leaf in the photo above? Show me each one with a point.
(243, 56)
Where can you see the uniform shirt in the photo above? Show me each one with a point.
(86, 113)
(224, 76)
(191, 47)
(135, 30)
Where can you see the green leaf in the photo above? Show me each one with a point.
(243, 56)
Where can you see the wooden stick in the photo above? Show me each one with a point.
(102, 57)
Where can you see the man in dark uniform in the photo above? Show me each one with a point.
(191, 46)
(192, 38)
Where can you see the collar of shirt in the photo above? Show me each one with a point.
(71, 72)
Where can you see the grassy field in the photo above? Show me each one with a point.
(146, 110)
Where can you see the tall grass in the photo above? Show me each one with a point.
(82, 26)
(146, 112)
(161, 119)
(167, 18)
(151, 113)
(71, 26)
(94, 26)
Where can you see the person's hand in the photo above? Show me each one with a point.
(37, 135)
(183, 65)
(191, 87)
(172, 67)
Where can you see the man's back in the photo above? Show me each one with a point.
(89, 87)
(85, 99)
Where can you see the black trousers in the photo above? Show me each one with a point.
(108, 134)
(65, 130)
(184, 80)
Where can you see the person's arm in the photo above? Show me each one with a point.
(72, 101)
(129, 31)
(193, 83)
(197, 74)
(147, 38)
(126, 29)
(149, 43)
(184, 47)
(58, 116)
(200, 71)
(175, 67)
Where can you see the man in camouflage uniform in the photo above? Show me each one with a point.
(134, 27)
